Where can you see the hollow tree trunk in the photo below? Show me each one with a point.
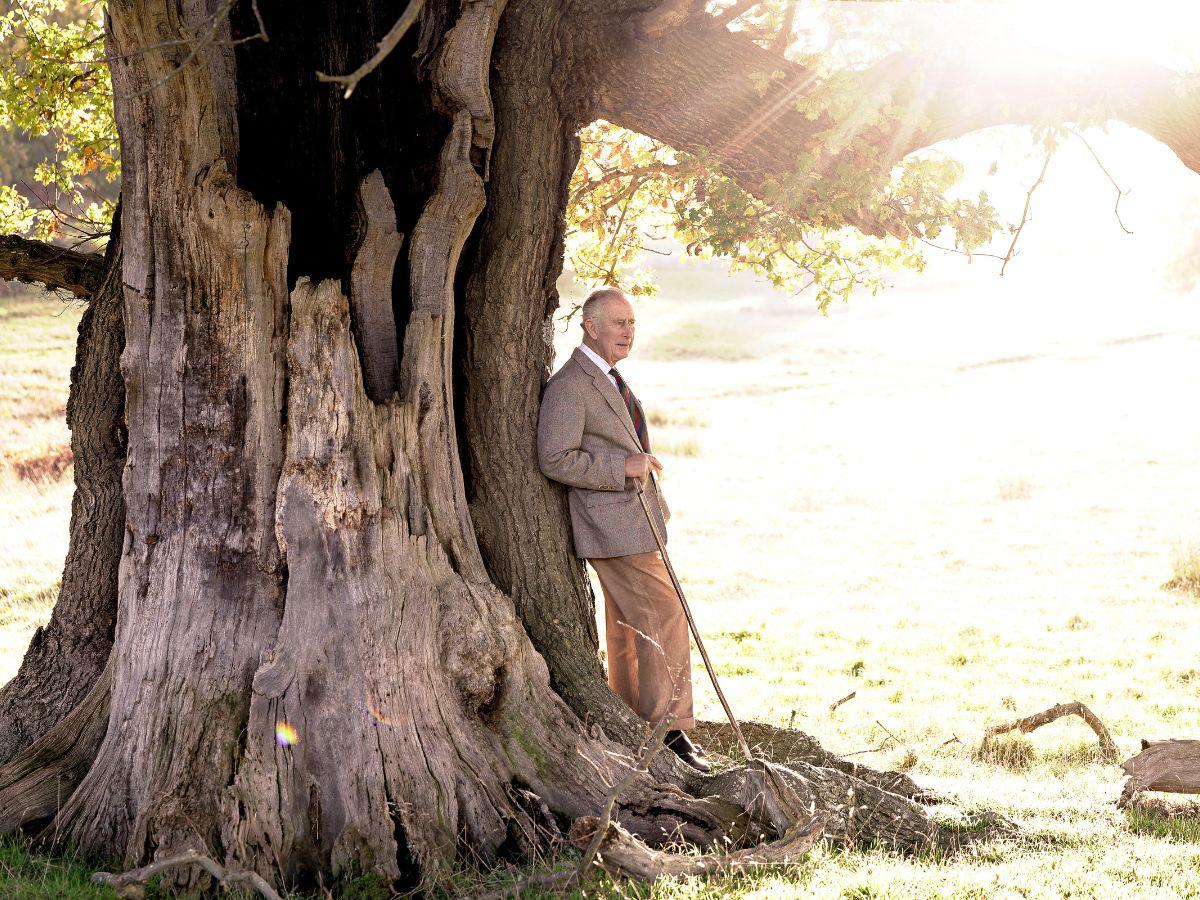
(66, 656)
(520, 517)
(316, 670)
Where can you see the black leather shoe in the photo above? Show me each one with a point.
(682, 746)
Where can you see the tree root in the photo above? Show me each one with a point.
(131, 883)
(790, 745)
(35, 784)
(620, 853)
(1108, 749)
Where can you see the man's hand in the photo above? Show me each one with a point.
(640, 465)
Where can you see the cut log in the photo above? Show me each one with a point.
(1108, 749)
(1172, 766)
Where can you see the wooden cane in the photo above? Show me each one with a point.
(687, 611)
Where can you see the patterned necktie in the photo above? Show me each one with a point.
(635, 410)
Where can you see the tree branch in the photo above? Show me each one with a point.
(35, 262)
(715, 92)
(407, 19)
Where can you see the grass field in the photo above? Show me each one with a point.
(962, 506)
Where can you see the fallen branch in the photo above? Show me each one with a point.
(836, 703)
(126, 880)
(35, 262)
(620, 853)
(1172, 766)
(1108, 749)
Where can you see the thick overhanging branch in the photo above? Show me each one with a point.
(35, 262)
(703, 89)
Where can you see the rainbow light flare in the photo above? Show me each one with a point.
(285, 734)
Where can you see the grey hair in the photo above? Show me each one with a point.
(595, 298)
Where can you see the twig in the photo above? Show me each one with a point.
(836, 703)
(1012, 248)
(653, 745)
(1120, 191)
(1029, 723)
(888, 733)
(407, 19)
(952, 740)
(187, 858)
(886, 745)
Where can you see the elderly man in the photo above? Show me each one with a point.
(593, 436)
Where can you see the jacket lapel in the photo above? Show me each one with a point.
(610, 393)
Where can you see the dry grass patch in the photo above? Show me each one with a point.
(1185, 570)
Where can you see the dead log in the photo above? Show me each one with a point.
(1172, 766)
(1108, 749)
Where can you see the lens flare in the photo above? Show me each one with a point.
(285, 734)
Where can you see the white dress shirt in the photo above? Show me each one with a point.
(602, 363)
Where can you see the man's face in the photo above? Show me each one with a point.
(610, 331)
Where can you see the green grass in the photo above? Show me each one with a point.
(716, 340)
(33, 876)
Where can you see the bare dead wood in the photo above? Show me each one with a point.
(371, 287)
(136, 878)
(836, 703)
(1108, 749)
(620, 853)
(1172, 766)
(653, 744)
(58, 268)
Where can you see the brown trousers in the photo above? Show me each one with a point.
(649, 660)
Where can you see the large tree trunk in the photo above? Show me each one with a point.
(66, 656)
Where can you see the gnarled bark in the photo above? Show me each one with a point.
(67, 655)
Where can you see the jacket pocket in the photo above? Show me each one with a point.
(606, 498)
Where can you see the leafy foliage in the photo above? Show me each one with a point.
(806, 231)
(629, 193)
(54, 82)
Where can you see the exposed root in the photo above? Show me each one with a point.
(623, 854)
(35, 784)
(130, 884)
(1108, 749)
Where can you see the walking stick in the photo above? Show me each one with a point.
(687, 611)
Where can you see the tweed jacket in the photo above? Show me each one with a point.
(584, 435)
